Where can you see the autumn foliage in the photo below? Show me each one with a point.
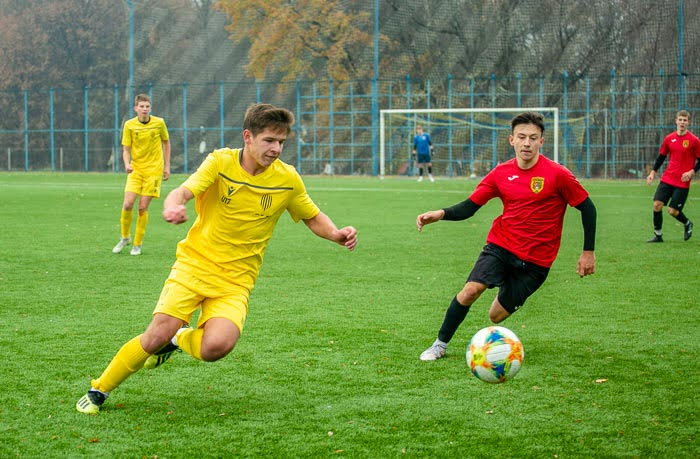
(303, 38)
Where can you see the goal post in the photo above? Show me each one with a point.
(456, 135)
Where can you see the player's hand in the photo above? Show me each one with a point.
(428, 218)
(166, 174)
(346, 237)
(688, 176)
(586, 263)
(650, 177)
(128, 168)
(175, 214)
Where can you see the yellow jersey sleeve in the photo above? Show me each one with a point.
(301, 207)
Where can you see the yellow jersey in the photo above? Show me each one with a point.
(145, 140)
(236, 216)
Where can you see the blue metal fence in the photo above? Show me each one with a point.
(611, 125)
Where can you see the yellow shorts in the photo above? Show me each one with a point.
(183, 293)
(144, 185)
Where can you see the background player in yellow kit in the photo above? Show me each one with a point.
(147, 162)
(240, 195)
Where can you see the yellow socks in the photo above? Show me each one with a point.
(190, 341)
(128, 360)
(141, 222)
(125, 222)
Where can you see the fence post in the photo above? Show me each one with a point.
(331, 127)
(85, 126)
(681, 72)
(409, 170)
(26, 132)
(517, 93)
(375, 125)
(613, 149)
(115, 164)
(636, 107)
(184, 125)
(297, 90)
(352, 130)
(221, 115)
(565, 114)
(51, 130)
(494, 135)
(588, 127)
(9, 159)
(449, 126)
(314, 150)
(472, 167)
(661, 101)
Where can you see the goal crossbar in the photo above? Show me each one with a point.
(416, 111)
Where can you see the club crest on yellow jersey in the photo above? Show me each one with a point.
(265, 201)
(537, 184)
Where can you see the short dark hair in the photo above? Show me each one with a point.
(259, 117)
(528, 118)
(141, 98)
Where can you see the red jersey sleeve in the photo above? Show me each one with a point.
(571, 190)
(486, 189)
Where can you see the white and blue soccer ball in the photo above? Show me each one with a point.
(495, 354)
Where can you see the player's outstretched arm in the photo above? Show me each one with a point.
(427, 218)
(322, 226)
(174, 210)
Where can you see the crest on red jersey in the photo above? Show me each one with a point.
(686, 143)
(537, 184)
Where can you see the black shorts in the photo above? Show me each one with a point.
(516, 279)
(677, 196)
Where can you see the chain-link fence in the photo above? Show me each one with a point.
(616, 90)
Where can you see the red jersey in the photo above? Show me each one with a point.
(534, 203)
(682, 149)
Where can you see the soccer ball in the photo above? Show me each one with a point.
(495, 354)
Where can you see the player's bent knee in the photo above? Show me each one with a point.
(497, 313)
(213, 350)
(470, 293)
(673, 212)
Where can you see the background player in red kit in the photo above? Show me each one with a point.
(684, 150)
(523, 241)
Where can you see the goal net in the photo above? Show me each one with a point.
(466, 141)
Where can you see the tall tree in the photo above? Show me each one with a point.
(303, 38)
(45, 44)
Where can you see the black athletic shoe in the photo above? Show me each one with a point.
(160, 357)
(687, 230)
(91, 402)
(656, 238)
